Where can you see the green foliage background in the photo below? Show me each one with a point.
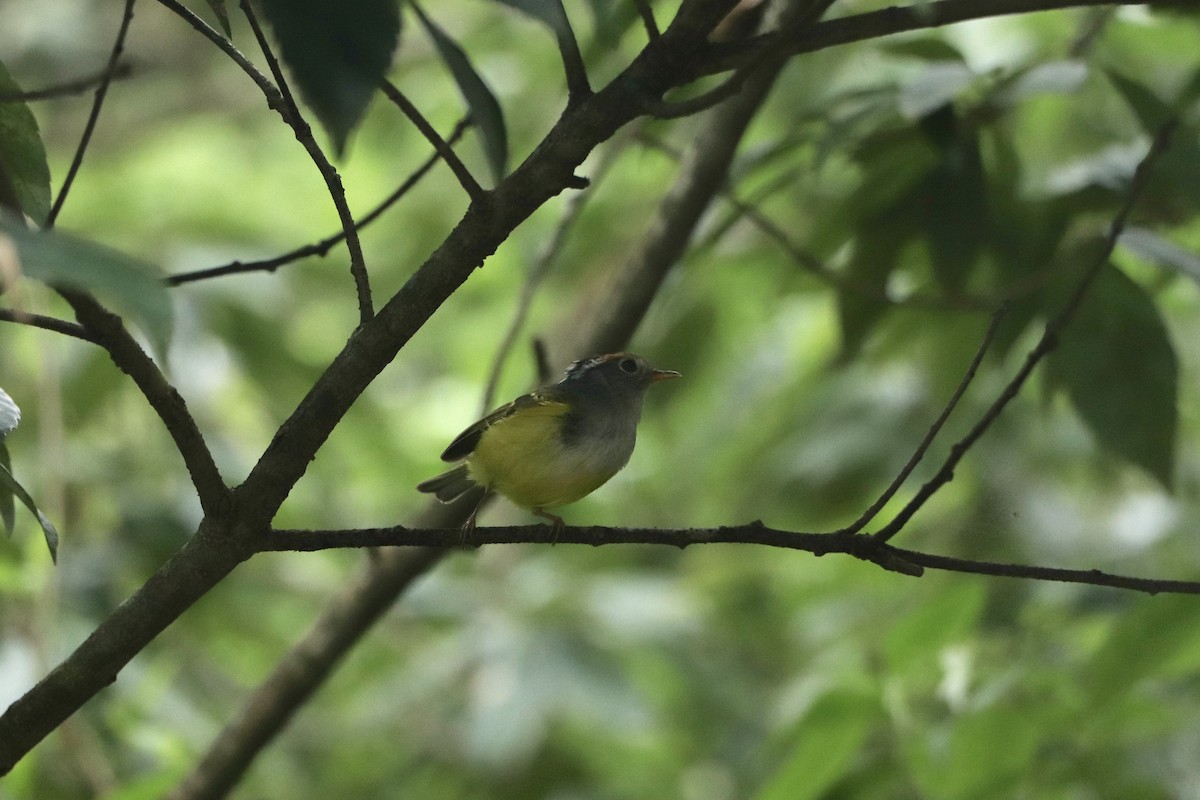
(950, 166)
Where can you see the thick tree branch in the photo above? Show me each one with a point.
(884, 22)
(183, 580)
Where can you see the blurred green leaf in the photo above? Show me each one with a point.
(338, 53)
(944, 619)
(984, 752)
(10, 415)
(23, 164)
(1121, 372)
(222, 15)
(485, 110)
(926, 48)
(549, 12)
(7, 508)
(65, 260)
(863, 301)
(1147, 106)
(9, 483)
(956, 222)
(827, 739)
(1160, 636)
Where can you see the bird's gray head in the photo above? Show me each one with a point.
(613, 376)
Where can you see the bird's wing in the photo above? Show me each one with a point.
(465, 443)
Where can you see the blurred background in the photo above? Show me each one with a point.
(573, 673)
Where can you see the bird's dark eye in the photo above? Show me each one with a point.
(628, 366)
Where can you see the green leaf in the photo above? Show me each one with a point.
(222, 15)
(8, 482)
(23, 164)
(985, 752)
(338, 53)
(1148, 107)
(827, 740)
(549, 12)
(1121, 372)
(947, 617)
(10, 415)
(1156, 640)
(485, 110)
(954, 191)
(862, 301)
(61, 259)
(7, 509)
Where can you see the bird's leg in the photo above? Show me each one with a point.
(466, 534)
(556, 523)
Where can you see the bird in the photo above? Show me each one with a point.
(556, 444)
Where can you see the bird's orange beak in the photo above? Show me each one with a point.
(663, 375)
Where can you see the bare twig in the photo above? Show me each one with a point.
(94, 116)
(647, 14)
(866, 548)
(77, 86)
(1047, 343)
(47, 323)
(465, 178)
(270, 91)
(333, 181)
(322, 247)
(868, 515)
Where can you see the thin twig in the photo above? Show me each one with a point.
(322, 247)
(647, 14)
(1047, 343)
(77, 86)
(908, 562)
(934, 429)
(465, 178)
(93, 116)
(269, 90)
(333, 181)
(47, 323)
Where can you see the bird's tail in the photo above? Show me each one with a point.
(449, 485)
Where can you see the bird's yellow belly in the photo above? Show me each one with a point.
(524, 459)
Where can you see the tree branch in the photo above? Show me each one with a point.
(47, 323)
(1047, 343)
(93, 116)
(868, 515)
(865, 548)
(183, 580)
(322, 247)
(110, 333)
(465, 178)
(333, 180)
(724, 56)
(77, 86)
